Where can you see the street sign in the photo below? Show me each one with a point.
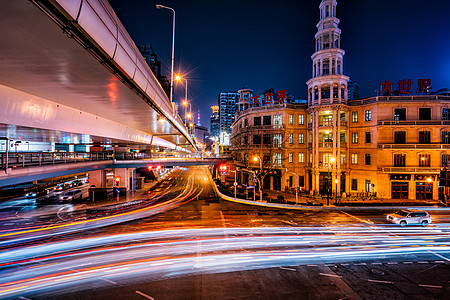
(235, 183)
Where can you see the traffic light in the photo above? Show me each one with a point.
(224, 169)
(117, 181)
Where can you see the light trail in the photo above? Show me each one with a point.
(164, 254)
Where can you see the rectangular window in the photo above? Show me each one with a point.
(424, 137)
(267, 120)
(277, 121)
(424, 113)
(301, 181)
(400, 137)
(310, 158)
(424, 160)
(245, 122)
(368, 137)
(354, 184)
(277, 159)
(301, 138)
(266, 159)
(291, 157)
(354, 138)
(245, 140)
(301, 157)
(342, 136)
(257, 139)
(277, 140)
(368, 115)
(400, 114)
(399, 160)
(257, 121)
(368, 186)
(368, 160)
(291, 138)
(343, 160)
(445, 137)
(354, 159)
(446, 114)
(301, 119)
(445, 160)
(354, 116)
(310, 138)
(266, 139)
(291, 119)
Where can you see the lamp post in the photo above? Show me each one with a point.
(185, 102)
(255, 158)
(159, 6)
(336, 181)
(331, 160)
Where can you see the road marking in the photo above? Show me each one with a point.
(376, 263)
(311, 265)
(423, 262)
(359, 219)
(407, 262)
(439, 261)
(430, 286)
(344, 264)
(330, 275)
(110, 281)
(379, 281)
(361, 264)
(144, 295)
(438, 255)
(289, 269)
(391, 263)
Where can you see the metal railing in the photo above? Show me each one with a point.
(409, 170)
(414, 122)
(28, 159)
(413, 146)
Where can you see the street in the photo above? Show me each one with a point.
(182, 242)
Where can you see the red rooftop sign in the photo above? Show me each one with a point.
(404, 87)
(269, 98)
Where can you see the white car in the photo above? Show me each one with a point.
(407, 216)
(72, 195)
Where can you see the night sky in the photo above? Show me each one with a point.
(226, 45)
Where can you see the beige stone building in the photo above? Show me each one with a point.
(388, 146)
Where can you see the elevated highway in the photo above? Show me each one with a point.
(72, 74)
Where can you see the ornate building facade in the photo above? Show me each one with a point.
(391, 146)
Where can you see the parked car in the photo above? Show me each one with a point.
(72, 195)
(407, 217)
(62, 186)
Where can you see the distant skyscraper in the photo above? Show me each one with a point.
(155, 65)
(353, 90)
(227, 108)
(215, 121)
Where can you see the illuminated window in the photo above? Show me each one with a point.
(277, 140)
(354, 159)
(301, 157)
(277, 159)
(277, 121)
(424, 160)
(291, 119)
(368, 115)
(301, 119)
(301, 138)
(291, 138)
(291, 157)
(354, 138)
(354, 116)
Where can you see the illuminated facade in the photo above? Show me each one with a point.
(388, 146)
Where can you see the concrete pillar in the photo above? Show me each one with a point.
(271, 183)
(124, 177)
(97, 179)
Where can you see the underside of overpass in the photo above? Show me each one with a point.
(72, 74)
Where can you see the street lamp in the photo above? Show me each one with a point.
(336, 181)
(255, 158)
(159, 6)
(331, 160)
(185, 102)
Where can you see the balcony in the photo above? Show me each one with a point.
(410, 170)
(414, 146)
(414, 122)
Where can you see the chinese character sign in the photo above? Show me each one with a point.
(269, 98)
(405, 86)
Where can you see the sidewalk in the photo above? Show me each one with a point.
(321, 200)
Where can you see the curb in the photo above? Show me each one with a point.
(319, 208)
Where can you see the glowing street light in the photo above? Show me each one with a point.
(255, 158)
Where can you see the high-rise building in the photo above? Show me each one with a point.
(227, 108)
(353, 90)
(214, 121)
(155, 65)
